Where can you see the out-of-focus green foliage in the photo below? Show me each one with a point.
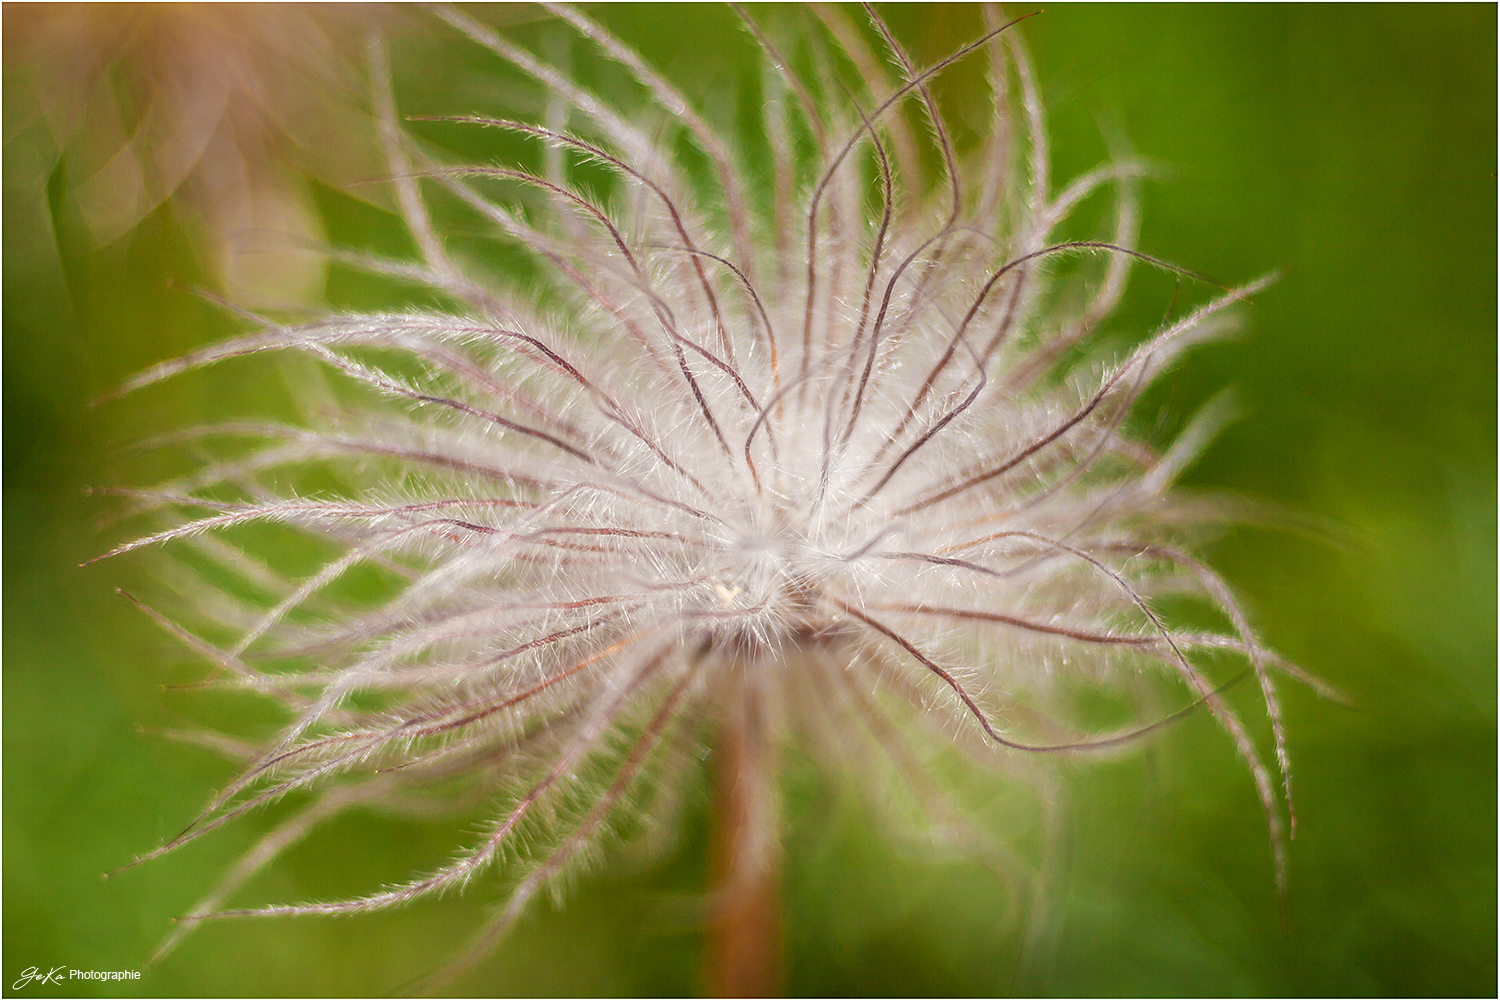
(1352, 147)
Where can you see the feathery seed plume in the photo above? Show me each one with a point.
(789, 437)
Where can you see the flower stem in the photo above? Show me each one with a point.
(744, 947)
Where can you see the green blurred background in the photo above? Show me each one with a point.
(1353, 147)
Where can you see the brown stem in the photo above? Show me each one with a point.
(744, 947)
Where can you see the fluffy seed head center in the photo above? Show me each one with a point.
(787, 534)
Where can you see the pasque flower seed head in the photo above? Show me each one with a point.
(789, 437)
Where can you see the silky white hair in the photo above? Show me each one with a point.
(809, 411)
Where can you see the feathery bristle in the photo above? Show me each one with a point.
(811, 434)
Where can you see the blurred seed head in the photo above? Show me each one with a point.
(795, 432)
(221, 108)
